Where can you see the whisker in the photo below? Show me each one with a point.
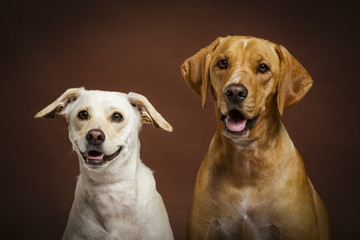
(71, 153)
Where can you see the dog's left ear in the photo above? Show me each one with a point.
(59, 105)
(294, 80)
(148, 112)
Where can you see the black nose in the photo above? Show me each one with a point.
(95, 137)
(236, 93)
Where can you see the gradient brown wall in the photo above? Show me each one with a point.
(47, 47)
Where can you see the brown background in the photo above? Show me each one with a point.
(49, 46)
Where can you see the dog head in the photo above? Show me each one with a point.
(250, 79)
(103, 126)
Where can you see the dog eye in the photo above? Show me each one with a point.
(117, 117)
(222, 64)
(263, 68)
(83, 115)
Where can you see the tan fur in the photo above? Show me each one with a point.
(253, 185)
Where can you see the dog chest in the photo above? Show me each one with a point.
(240, 217)
(106, 211)
(242, 229)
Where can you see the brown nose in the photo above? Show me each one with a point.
(95, 137)
(236, 93)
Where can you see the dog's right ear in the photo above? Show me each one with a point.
(59, 105)
(195, 70)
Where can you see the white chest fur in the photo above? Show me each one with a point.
(127, 209)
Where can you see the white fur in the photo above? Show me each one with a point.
(117, 200)
(246, 42)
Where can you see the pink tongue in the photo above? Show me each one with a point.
(236, 126)
(93, 156)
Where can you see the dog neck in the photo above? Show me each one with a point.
(250, 158)
(113, 194)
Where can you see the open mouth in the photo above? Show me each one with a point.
(235, 122)
(95, 158)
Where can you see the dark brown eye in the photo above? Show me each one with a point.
(222, 64)
(263, 68)
(83, 115)
(117, 117)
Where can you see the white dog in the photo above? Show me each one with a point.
(115, 196)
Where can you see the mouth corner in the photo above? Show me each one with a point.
(236, 123)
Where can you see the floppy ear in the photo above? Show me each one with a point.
(294, 80)
(195, 70)
(148, 112)
(59, 105)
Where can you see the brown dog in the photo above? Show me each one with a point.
(252, 183)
